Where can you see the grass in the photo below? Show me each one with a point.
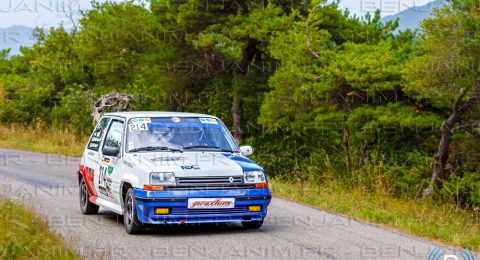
(25, 236)
(39, 140)
(441, 222)
(444, 223)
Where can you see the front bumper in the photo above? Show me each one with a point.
(177, 202)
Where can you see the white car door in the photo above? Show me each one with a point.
(106, 182)
(92, 153)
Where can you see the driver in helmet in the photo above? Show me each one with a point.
(161, 136)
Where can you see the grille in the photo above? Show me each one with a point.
(209, 181)
(211, 187)
(186, 211)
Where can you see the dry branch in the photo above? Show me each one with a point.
(113, 102)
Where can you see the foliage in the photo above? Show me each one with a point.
(443, 66)
(444, 75)
(463, 189)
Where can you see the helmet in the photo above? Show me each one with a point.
(164, 134)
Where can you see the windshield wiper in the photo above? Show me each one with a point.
(207, 147)
(154, 148)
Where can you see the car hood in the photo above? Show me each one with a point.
(191, 164)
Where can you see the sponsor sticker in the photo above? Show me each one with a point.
(191, 167)
(92, 145)
(207, 120)
(211, 203)
(110, 169)
(96, 139)
(142, 120)
(128, 163)
(104, 181)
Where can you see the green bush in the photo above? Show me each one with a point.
(23, 100)
(464, 190)
(73, 113)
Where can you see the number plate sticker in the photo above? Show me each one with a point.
(139, 124)
(211, 203)
(138, 127)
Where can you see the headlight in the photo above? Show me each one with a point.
(162, 178)
(254, 177)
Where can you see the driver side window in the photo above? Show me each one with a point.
(114, 136)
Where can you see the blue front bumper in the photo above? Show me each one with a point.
(177, 202)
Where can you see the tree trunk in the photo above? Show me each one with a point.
(346, 147)
(249, 54)
(363, 155)
(211, 62)
(236, 119)
(441, 157)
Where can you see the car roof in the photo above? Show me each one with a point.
(129, 115)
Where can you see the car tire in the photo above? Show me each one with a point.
(87, 207)
(252, 224)
(130, 218)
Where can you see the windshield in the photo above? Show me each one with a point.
(178, 134)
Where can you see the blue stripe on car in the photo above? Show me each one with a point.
(245, 163)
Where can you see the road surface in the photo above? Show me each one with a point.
(47, 183)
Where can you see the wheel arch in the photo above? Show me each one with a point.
(79, 176)
(124, 187)
(128, 181)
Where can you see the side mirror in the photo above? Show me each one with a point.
(110, 151)
(246, 150)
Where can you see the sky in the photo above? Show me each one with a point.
(46, 13)
(387, 7)
(41, 13)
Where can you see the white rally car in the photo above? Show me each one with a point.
(170, 168)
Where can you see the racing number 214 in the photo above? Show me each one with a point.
(138, 127)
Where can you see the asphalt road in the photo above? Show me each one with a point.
(47, 183)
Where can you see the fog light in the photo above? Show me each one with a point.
(162, 211)
(254, 208)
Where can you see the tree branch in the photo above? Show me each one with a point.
(307, 35)
(118, 101)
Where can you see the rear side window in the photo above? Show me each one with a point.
(98, 133)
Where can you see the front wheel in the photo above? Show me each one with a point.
(86, 206)
(252, 224)
(130, 219)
